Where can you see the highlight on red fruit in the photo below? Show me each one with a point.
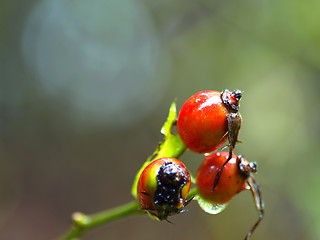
(236, 176)
(163, 187)
(232, 180)
(209, 118)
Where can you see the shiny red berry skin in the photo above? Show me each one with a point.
(232, 181)
(163, 187)
(235, 177)
(207, 117)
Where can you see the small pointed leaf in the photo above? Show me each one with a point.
(171, 147)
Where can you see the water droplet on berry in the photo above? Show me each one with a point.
(210, 207)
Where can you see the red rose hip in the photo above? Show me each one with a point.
(209, 118)
(235, 177)
(232, 181)
(163, 187)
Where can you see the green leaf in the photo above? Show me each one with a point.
(171, 147)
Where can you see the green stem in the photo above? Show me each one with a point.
(83, 223)
(192, 192)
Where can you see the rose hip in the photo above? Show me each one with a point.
(236, 177)
(163, 188)
(209, 118)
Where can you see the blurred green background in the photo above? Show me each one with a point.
(86, 86)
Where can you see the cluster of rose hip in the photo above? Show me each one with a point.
(205, 122)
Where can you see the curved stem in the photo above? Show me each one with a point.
(82, 223)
